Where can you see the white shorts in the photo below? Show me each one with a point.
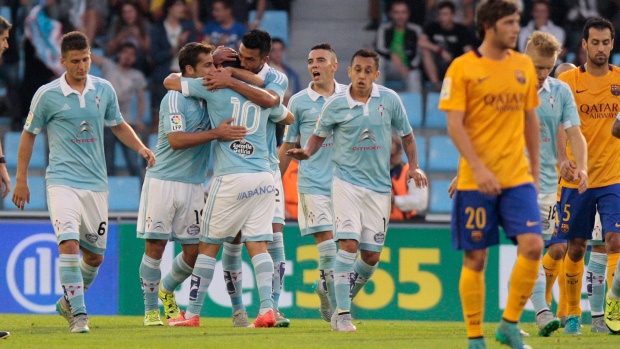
(360, 214)
(547, 204)
(79, 214)
(240, 202)
(315, 214)
(597, 232)
(278, 215)
(170, 210)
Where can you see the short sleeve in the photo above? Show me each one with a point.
(172, 114)
(37, 116)
(453, 91)
(193, 88)
(292, 131)
(570, 115)
(278, 114)
(113, 115)
(400, 122)
(276, 81)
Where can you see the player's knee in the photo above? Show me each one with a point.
(155, 248)
(577, 249)
(370, 257)
(557, 251)
(475, 259)
(612, 242)
(69, 247)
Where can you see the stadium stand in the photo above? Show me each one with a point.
(273, 22)
(413, 106)
(443, 156)
(440, 201)
(434, 118)
(39, 152)
(124, 193)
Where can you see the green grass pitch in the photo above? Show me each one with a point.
(51, 331)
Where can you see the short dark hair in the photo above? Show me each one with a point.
(489, 12)
(4, 25)
(399, 2)
(227, 3)
(168, 4)
(599, 24)
(366, 53)
(73, 41)
(278, 40)
(541, 2)
(324, 46)
(446, 4)
(190, 53)
(257, 39)
(127, 44)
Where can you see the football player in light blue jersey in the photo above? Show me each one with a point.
(361, 119)
(172, 195)
(253, 52)
(557, 111)
(315, 174)
(241, 197)
(74, 108)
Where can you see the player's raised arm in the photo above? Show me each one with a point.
(173, 82)
(222, 79)
(21, 194)
(485, 179)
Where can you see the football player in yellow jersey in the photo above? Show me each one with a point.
(597, 94)
(490, 96)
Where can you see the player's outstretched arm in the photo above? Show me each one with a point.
(314, 144)
(223, 132)
(21, 194)
(532, 142)
(5, 180)
(125, 134)
(485, 179)
(173, 82)
(411, 151)
(580, 151)
(284, 160)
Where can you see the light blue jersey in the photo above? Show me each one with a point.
(363, 136)
(277, 82)
(315, 174)
(250, 154)
(181, 114)
(557, 105)
(75, 130)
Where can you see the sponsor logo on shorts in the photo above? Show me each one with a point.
(92, 238)
(193, 230)
(267, 189)
(379, 237)
(545, 224)
(564, 228)
(531, 224)
(476, 235)
(242, 147)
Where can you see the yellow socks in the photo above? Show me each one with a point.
(471, 289)
(522, 282)
(574, 275)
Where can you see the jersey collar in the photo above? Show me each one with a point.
(263, 72)
(352, 102)
(545, 86)
(67, 90)
(315, 95)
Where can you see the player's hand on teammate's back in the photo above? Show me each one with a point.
(223, 54)
(227, 132)
(487, 183)
(452, 187)
(298, 153)
(21, 195)
(148, 155)
(217, 80)
(582, 176)
(418, 176)
(567, 170)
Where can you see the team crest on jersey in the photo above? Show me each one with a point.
(193, 230)
(551, 101)
(381, 109)
(242, 147)
(97, 101)
(520, 75)
(615, 89)
(176, 124)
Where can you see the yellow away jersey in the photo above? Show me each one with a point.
(598, 102)
(494, 96)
